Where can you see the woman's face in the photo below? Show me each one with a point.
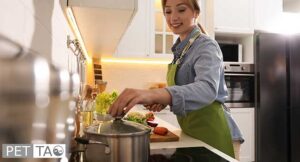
(180, 17)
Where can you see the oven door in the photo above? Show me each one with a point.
(240, 90)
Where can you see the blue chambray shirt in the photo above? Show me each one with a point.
(200, 78)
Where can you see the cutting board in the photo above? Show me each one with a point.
(167, 138)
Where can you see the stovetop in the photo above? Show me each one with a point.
(189, 154)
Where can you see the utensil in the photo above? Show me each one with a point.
(36, 102)
(128, 141)
(87, 141)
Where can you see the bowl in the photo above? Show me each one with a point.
(152, 123)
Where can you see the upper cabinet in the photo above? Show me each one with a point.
(148, 35)
(163, 36)
(234, 23)
(268, 14)
(234, 16)
(101, 24)
(135, 41)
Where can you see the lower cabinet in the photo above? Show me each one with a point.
(244, 117)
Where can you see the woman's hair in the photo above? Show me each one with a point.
(195, 7)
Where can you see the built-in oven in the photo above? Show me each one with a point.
(239, 78)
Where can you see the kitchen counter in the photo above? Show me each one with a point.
(184, 140)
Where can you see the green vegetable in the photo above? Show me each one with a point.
(136, 117)
(104, 100)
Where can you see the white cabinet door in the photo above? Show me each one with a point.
(244, 117)
(269, 15)
(234, 16)
(135, 41)
(162, 38)
(147, 33)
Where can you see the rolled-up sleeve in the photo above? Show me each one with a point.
(202, 78)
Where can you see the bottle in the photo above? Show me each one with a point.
(88, 112)
(87, 107)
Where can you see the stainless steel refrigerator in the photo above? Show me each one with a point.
(277, 61)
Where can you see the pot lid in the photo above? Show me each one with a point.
(117, 127)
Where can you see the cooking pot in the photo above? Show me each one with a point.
(119, 141)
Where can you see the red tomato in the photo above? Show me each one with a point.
(150, 119)
(150, 116)
(161, 131)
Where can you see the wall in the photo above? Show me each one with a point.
(39, 25)
(131, 75)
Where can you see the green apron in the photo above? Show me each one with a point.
(207, 124)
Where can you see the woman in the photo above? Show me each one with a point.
(195, 78)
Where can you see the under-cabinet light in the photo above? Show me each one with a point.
(134, 61)
(77, 32)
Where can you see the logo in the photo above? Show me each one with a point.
(33, 150)
(58, 150)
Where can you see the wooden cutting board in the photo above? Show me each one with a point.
(167, 138)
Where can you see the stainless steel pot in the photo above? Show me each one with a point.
(127, 142)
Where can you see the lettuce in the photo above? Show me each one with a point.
(103, 101)
(136, 117)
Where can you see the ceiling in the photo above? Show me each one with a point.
(291, 6)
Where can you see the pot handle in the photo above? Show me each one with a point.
(87, 141)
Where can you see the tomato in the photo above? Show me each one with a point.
(150, 116)
(150, 119)
(161, 131)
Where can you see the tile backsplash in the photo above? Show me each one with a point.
(130, 75)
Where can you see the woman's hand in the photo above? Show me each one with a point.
(155, 107)
(130, 97)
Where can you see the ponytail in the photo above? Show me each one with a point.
(202, 29)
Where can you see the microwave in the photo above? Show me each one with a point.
(232, 52)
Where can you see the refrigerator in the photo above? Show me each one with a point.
(277, 69)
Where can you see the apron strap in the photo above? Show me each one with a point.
(187, 47)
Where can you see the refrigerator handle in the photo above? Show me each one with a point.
(256, 92)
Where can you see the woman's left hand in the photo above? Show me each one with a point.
(155, 107)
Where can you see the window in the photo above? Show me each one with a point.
(164, 38)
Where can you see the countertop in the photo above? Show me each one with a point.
(184, 140)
